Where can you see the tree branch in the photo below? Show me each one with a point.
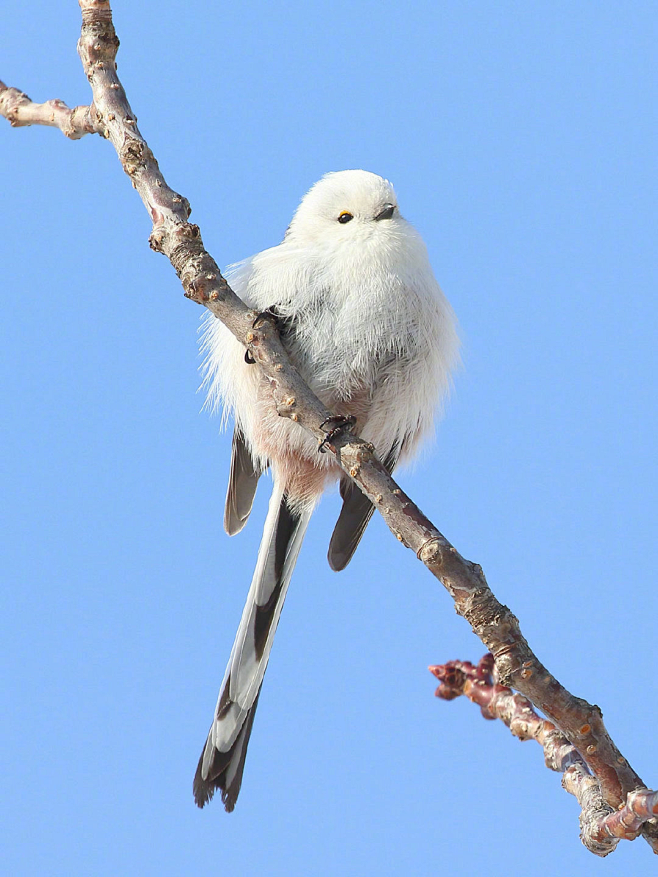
(601, 827)
(111, 116)
(21, 112)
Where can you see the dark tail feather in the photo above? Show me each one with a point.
(222, 761)
(350, 526)
(353, 519)
(225, 774)
(242, 484)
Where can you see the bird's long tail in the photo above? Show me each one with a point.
(222, 760)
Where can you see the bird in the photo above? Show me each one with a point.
(364, 320)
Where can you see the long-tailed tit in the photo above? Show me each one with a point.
(367, 326)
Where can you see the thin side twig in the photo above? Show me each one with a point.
(601, 827)
(203, 283)
(21, 112)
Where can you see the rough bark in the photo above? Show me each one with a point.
(601, 827)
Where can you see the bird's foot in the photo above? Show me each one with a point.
(273, 316)
(339, 423)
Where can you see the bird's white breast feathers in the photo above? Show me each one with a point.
(368, 322)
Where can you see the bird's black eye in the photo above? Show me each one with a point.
(345, 217)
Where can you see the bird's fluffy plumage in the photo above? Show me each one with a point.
(372, 334)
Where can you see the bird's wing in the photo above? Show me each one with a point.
(222, 760)
(242, 483)
(353, 519)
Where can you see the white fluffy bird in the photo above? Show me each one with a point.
(366, 324)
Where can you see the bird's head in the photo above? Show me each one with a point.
(346, 206)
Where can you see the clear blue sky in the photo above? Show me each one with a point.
(521, 138)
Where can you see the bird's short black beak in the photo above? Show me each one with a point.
(386, 212)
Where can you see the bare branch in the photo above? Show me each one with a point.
(21, 112)
(111, 115)
(601, 827)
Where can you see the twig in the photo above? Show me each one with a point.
(172, 234)
(21, 112)
(601, 827)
